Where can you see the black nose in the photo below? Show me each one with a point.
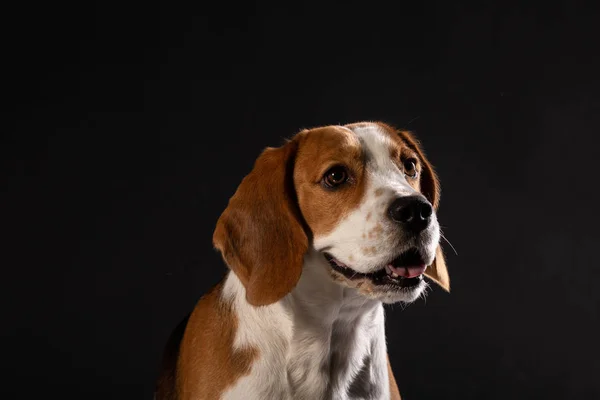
(414, 212)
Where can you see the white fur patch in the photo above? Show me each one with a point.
(313, 343)
(267, 329)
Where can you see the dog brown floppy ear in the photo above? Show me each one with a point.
(430, 187)
(437, 271)
(260, 233)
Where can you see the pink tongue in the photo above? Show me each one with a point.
(408, 272)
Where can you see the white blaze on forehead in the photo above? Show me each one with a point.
(382, 170)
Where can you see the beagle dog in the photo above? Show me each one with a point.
(322, 232)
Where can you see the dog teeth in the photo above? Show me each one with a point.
(389, 271)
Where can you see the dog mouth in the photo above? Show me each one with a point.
(404, 271)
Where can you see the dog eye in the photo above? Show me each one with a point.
(410, 168)
(335, 176)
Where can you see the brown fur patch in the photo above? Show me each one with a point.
(208, 364)
(260, 234)
(320, 149)
(376, 231)
(366, 287)
(368, 217)
(378, 192)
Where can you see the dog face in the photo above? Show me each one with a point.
(363, 195)
(366, 192)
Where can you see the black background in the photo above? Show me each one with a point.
(126, 128)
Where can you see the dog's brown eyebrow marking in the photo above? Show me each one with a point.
(378, 192)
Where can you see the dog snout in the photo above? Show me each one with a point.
(412, 212)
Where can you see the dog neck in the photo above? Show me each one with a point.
(318, 302)
(326, 339)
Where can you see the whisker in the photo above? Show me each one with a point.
(425, 293)
(447, 241)
(412, 120)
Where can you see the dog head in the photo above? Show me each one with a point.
(363, 195)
